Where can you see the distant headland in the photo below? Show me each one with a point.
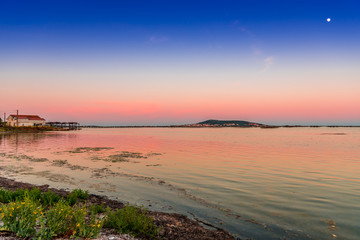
(225, 123)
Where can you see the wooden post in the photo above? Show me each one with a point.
(17, 118)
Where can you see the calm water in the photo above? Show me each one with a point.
(286, 183)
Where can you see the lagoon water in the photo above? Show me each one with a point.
(284, 183)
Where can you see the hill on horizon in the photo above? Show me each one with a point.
(213, 122)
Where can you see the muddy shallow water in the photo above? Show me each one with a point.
(300, 183)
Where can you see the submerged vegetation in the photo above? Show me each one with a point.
(125, 156)
(89, 149)
(47, 215)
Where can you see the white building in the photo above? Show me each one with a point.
(25, 120)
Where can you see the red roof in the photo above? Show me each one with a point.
(29, 117)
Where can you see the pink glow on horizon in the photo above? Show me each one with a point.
(187, 102)
(152, 112)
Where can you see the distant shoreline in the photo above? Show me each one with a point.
(6, 130)
(213, 123)
(180, 126)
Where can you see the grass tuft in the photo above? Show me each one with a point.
(96, 209)
(76, 195)
(132, 220)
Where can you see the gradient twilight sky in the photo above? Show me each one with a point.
(172, 62)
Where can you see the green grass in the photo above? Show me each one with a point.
(96, 209)
(24, 211)
(46, 198)
(132, 220)
(76, 195)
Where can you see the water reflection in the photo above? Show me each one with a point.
(261, 184)
(35, 139)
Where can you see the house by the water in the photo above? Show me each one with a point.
(25, 120)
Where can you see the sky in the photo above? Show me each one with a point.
(174, 62)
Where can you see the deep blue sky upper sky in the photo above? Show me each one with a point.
(269, 61)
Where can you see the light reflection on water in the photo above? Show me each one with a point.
(288, 183)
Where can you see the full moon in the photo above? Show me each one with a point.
(328, 19)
